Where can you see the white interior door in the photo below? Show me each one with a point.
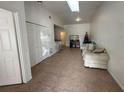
(10, 72)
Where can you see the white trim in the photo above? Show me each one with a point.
(116, 79)
(17, 27)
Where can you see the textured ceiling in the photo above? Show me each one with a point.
(62, 10)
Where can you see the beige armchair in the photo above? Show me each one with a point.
(94, 57)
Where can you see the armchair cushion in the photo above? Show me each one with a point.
(99, 50)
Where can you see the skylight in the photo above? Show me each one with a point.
(74, 5)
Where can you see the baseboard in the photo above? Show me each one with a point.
(53, 53)
(116, 79)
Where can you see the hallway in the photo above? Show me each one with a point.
(64, 71)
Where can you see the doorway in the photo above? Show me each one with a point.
(63, 38)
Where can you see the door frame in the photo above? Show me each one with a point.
(19, 46)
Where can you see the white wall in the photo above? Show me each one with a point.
(19, 7)
(76, 29)
(38, 14)
(108, 31)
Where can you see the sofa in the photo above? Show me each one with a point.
(94, 56)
